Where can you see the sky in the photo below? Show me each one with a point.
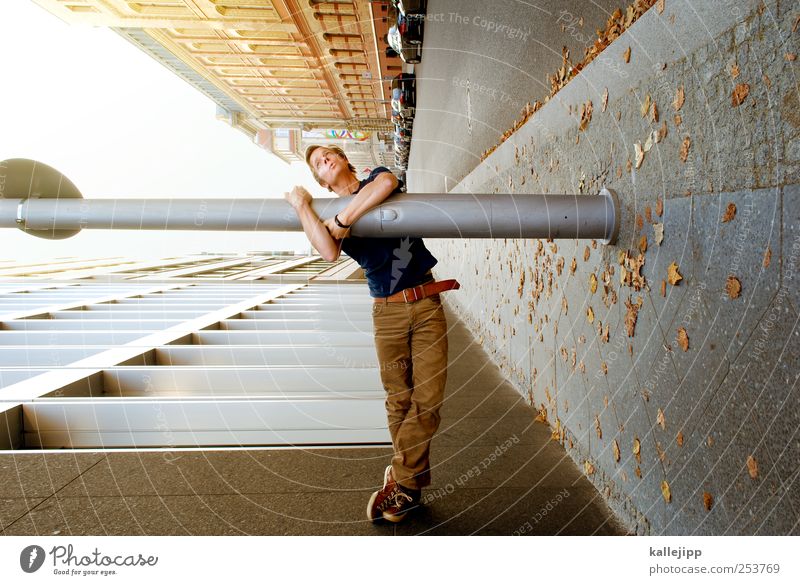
(119, 124)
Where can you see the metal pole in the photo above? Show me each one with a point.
(57, 210)
(430, 215)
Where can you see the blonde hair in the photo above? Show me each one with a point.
(334, 149)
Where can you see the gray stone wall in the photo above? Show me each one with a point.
(712, 428)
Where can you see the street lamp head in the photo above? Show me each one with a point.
(24, 179)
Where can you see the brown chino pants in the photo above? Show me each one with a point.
(411, 342)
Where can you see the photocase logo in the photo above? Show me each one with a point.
(31, 558)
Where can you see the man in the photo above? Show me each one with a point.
(409, 322)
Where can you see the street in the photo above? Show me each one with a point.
(481, 63)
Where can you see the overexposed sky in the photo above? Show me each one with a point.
(119, 124)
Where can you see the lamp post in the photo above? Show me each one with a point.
(41, 201)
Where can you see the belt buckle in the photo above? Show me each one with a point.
(414, 290)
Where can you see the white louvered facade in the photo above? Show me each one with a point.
(206, 351)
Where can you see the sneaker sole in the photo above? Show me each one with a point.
(393, 518)
(397, 517)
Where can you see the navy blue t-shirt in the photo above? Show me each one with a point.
(390, 264)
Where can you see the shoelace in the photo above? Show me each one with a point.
(393, 500)
(398, 494)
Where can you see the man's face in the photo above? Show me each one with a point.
(327, 164)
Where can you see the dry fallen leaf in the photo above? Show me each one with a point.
(643, 244)
(767, 257)
(659, 207)
(604, 101)
(626, 56)
(740, 93)
(593, 283)
(639, 152)
(733, 287)
(586, 115)
(630, 273)
(654, 113)
(638, 472)
(604, 336)
(662, 132)
(590, 315)
(639, 222)
(787, 56)
(631, 317)
(588, 468)
(637, 450)
(665, 491)
(710, 441)
(730, 213)
(680, 98)
(586, 253)
(673, 275)
(684, 151)
(645, 105)
(597, 428)
(648, 214)
(615, 447)
(679, 439)
(752, 466)
(573, 266)
(708, 501)
(660, 6)
(660, 420)
(652, 139)
(658, 231)
(663, 288)
(683, 339)
(734, 70)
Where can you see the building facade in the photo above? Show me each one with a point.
(284, 72)
(257, 350)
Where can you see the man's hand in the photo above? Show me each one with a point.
(335, 230)
(298, 197)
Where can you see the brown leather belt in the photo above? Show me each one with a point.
(416, 293)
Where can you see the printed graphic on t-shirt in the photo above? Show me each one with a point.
(401, 258)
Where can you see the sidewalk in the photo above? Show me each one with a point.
(496, 472)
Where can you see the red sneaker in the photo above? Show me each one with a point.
(393, 501)
(403, 502)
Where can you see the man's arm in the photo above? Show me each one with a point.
(328, 247)
(370, 196)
